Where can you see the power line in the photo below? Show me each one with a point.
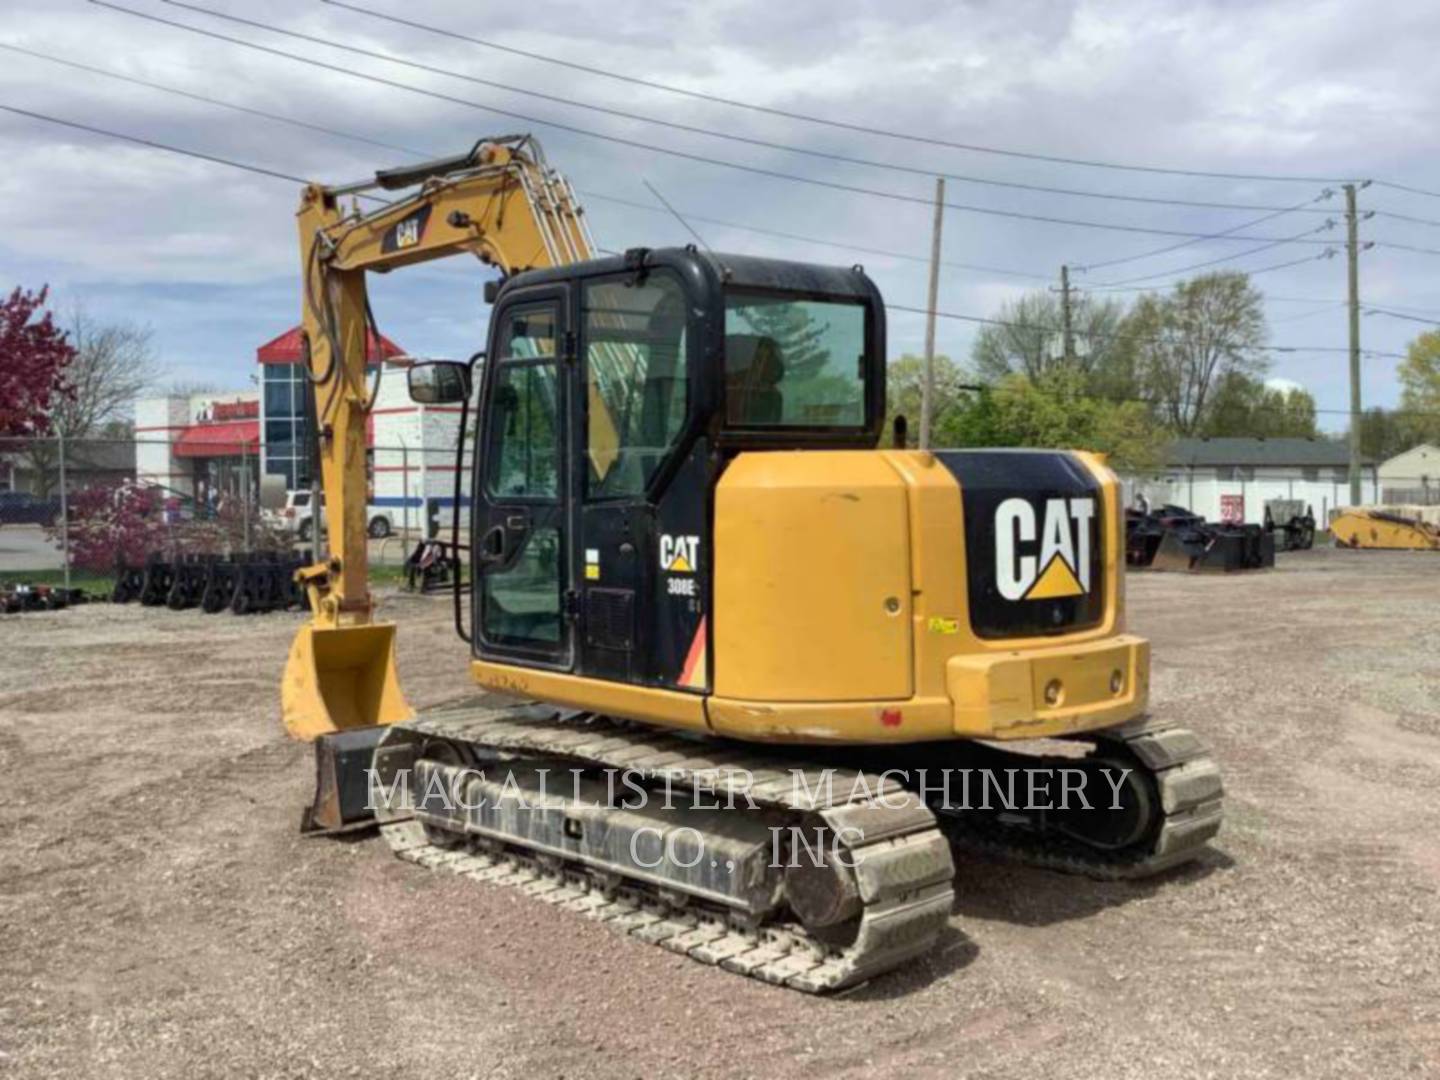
(779, 234)
(275, 174)
(833, 185)
(209, 100)
(649, 208)
(838, 124)
(989, 321)
(1412, 309)
(261, 170)
(1398, 315)
(1405, 217)
(1329, 306)
(1406, 247)
(1225, 234)
(1329, 224)
(1405, 187)
(1328, 253)
(694, 129)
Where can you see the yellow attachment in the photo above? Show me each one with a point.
(1377, 527)
(341, 677)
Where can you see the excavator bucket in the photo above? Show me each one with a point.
(341, 678)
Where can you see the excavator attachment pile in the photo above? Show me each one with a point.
(1173, 539)
(1395, 528)
(1292, 523)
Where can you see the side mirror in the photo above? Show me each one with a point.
(439, 382)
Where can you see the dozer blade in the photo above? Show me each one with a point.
(339, 678)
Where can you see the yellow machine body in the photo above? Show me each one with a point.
(841, 616)
(1384, 529)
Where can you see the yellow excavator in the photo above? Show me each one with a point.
(750, 678)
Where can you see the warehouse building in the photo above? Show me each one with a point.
(1231, 479)
(1411, 478)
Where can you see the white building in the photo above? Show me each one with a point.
(1232, 479)
(413, 454)
(198, 443)
(1411, 478)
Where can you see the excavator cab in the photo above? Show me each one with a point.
(616, 392)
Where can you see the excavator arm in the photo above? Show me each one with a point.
(499, 202)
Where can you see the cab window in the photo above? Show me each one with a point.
(524, 453)
(636, 391)
(793, 362)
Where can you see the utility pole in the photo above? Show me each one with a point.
(927, 390)
(64, 506)
(1067, 327)
(1352, 256)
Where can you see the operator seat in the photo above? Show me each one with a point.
(754, 369)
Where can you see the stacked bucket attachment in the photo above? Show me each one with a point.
(258, 582)
(1174, 539)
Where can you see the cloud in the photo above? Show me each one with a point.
(208, 254)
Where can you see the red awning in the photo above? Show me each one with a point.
(286, 349)
(230, 439)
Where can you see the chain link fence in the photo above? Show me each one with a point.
(78, 512)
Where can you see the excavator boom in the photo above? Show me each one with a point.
(500, 203)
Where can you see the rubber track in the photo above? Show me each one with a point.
(903, 867)
(1191, 802)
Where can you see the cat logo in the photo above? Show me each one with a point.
(679, 554)
(407, 233)
(1061, 566)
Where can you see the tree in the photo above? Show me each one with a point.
(1419, 376)
(1385, 433)
(1245, 406)
(1058, 411)
(112, 365)
(1026, 339)
(1190, 341)
(34, 359)
(904, 391)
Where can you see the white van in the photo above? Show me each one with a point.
(296, 517)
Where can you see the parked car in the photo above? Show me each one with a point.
(23, 508)
(296, 516)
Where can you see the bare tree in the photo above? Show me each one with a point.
(1025, 339)
(114, 364)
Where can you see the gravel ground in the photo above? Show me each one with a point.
(159, 916)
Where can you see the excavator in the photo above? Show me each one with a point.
(731, 652)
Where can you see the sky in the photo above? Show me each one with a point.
(1320, 90)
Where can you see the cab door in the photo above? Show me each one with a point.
(521, 531)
